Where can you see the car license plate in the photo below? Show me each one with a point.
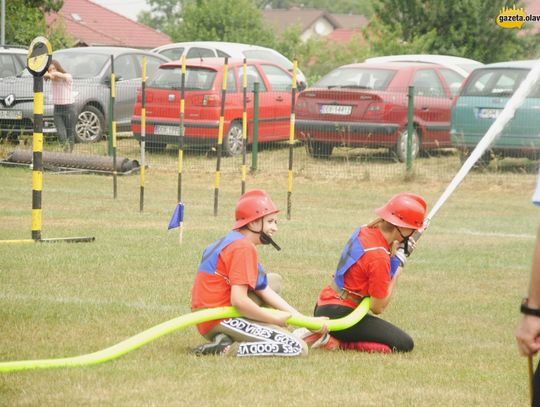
(11, 114)
(336, 109)
(167, 130)
(488, 113)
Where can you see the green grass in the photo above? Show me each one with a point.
(458, 296)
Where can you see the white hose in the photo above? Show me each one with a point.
(493, 132)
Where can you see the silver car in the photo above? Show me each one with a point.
(91, 70)
(210, 49)
(12, 60)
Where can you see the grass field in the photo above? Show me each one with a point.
(458, 296)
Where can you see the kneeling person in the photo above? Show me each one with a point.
(230, 275)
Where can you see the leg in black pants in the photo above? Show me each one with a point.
(64, 120)
(369, 329)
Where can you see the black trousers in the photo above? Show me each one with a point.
(65, 120)
(368, 329)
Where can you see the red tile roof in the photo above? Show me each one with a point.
(345, 35)
(92, 24)
(532, 7)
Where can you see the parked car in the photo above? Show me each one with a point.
(203, 94)
(483, 97)
(459, 64)
(90, 68)
(209, 49)
(12, 60)
(365, 105)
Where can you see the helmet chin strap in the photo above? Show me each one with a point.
(265, 239)
(405, 242)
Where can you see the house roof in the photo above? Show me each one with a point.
(345, 35)
(92, 24)
(351, 21)
(281, 19)
(532, 7)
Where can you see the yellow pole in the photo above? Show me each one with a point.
(181, 142)
(244, 127)
(113, 130)
(220, 138)
(291, 141)
(143, 134)
(37, 160)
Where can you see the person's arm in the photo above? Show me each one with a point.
(59, 76)
(274, 300)
(528, 332)
(245, 305)
(379, 304)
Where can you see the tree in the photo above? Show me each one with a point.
(25, 21)
(222, 20)
(164, 15)
(460, 27)
(362, 7)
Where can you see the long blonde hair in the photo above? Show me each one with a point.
(380, 223)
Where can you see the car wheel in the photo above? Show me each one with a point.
(90, 125)
(233, 141)
(401, 145)
(316, 149)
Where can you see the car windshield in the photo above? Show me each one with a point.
(496, 82)
(82, 65)
(170, 78)
(357, 78)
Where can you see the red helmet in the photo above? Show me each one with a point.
(253, 205)
(404, 210)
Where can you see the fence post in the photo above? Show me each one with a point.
(255, 145)
(410, 127)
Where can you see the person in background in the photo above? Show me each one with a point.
(64, 107)
(230, 275)
(370, 266)
(528, 331)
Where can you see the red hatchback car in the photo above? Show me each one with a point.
(203, 91)
(365, 105)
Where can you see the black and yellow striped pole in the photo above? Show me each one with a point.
(177, 220)
(182, 127)
(39, 59)
(220, 137)
(244, 127)
(143, 134)
(181, 147)
(113, 129)
(291, 141)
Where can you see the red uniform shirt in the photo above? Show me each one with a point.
(237, 265)
(369, 276)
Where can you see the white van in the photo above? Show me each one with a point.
(210, 49)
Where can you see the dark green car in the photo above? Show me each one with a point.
(482, 98)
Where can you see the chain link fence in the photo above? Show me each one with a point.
(346, 161)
